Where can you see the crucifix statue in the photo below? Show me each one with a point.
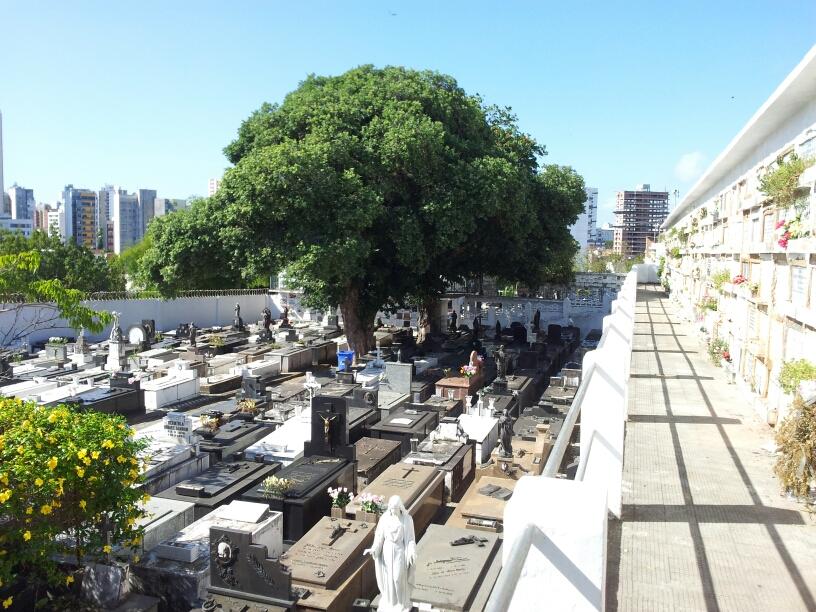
(327, 420)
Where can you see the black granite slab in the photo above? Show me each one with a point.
(234, 438)
(421, 424)
(308, 501)
(126, 402)
(220, 484)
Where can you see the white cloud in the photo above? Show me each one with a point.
(690, 166)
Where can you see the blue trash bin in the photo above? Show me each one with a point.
(342, 356)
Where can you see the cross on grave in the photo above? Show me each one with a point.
(336, 531)
(409, 471)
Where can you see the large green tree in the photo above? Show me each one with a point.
(371, 188)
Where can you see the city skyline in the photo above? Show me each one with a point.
(605, 90)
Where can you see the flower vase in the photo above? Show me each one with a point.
(368, 517)
(338, 512)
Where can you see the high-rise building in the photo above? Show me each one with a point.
(80, 215)
(147, 205)
(638, 216)
(584, 230)
(213, 186)
(56, 221)
(168, 205)
(103, 214)
(126, 215)
(22, 202)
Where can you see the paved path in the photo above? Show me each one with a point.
(704, 525)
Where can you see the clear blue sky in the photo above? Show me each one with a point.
(147, 94)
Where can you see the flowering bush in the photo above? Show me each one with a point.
(738, 280)
(468, 371)
(340, 496)
(68, 484)
(57, 340)
(276, 487)
(787, 230)
(371, 503)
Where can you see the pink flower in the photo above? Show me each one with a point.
(780, 224)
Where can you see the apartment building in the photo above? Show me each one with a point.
(638, 216)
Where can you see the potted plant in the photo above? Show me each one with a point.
(247, 409)
(468, 371)
(340, 497)
(277, 488)
(57, 349)
(371, 506)
(209, 425)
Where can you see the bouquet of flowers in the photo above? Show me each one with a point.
(468, 371)
(247, 406)
(791, 228)
(727, 356)
(57, 340)
(371, 503)
(738, 280)
(340, 497)
(276, 487)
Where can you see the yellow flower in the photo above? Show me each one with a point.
(136, 558)
(106, 549)
(121, 459)
(106, 461)
(68, 580)
(46, 509)
(82, 453)
(26, 424)
(120, 426)
(95, 454)
(27, 536)
(107, 444)
(133, 461)
(5, 495)
(4, 479)
(20, 449)
(82, 503)
(7, 602)
(86, 460)
(80, 471)
(52, 463)
(131, 520)
(52, 417)
(38, 482)
(29, 510)
(146, 497)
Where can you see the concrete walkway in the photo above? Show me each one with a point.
(704, 525)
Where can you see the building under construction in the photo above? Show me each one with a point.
(638, 216)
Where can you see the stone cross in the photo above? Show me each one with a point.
(409, 471)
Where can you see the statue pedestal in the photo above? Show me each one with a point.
(117, 356)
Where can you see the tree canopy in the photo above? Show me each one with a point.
(40, 271)
(371, 188)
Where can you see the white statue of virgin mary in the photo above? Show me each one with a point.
(394, 552)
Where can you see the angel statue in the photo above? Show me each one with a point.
(394, 552)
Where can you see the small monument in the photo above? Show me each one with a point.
(394, 553)
(266, 321)
(117, 349)
(238, 322)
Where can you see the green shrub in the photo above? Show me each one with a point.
(794, 372)
(64, 472)
(716, 348)
(782, 183)
(719, 278)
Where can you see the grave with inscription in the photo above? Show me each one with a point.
(455, 568)
(246, 574)
(373, 457)
(421, 488)
(233, 437)
(405, 424)
(448, 450)
(221, 483)
(482, 507)
(178, 569)
(328, 461)
(328, 561)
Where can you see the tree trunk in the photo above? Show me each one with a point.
(430, 312)
(359, 330)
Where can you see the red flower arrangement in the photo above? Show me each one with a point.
(738, 280)
(727, 356)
